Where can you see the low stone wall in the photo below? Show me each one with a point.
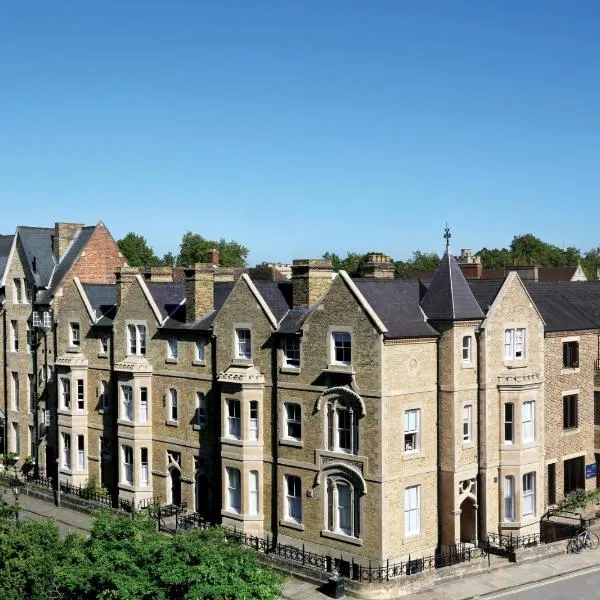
(539, 552)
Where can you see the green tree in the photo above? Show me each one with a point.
(420, 262)
(168, 259)
(591, 262)
(137, 252)
(353, 264)
(194, 249)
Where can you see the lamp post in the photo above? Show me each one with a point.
(16, 484)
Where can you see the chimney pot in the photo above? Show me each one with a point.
(311, 278)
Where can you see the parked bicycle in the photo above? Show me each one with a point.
(584, 539)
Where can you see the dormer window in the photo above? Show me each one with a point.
(172, 349)
(243, 344)
(466, 348)
(199, 356)
(291, 352)
(514, 344)
(341, 348)
(74, 335)
(570, 355)
(136, 341)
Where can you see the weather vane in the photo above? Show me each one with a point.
(447, 236)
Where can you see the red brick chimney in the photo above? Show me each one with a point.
(213, 257)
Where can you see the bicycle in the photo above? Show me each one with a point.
(584, 539)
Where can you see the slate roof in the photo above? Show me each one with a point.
(103, 299)
(168, 296)
(70, 256)
(485, 291)
(567, 306)
(396, 303)
(6, 242)
(449, 297)
(37, 243)
(277, 295)
(294, 319)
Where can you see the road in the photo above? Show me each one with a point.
(578, 587)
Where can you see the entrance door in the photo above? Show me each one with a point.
(467, 521)
(574, 476)
(175, 487)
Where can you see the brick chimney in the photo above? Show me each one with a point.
(472, 270)
(213, 257)
(199, 291)
(379, 266)
(64, 234)
(310, 280)
(158, 274)
(125, 277)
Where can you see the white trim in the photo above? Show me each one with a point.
(9, 259)
(85, 299)
(363, 301)
(260, 300)
(150, 299)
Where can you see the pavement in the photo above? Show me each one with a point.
(502, 580)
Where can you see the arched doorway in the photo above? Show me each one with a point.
(468, 521)
(202, 496)
(175, 486)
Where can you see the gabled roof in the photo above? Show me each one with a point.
(396, 303)
(294, 319)
(70, 256)
(6, 242)
(103, 300)
(449, 297)
(169, 297)
(37, 243)
(277, 295)
(485, 291)
(567, 306)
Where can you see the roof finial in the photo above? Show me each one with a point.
(447, 236)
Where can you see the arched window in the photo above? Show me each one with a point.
(343, 506)
(342, 427)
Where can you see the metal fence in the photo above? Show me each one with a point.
(350, 569)
(509, 543)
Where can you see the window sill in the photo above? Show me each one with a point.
(571, 431)
(291, 524)
(169, 423)
(467, 365)
(238, 516)
(199, 363)
(412, 454)
(517, 363)
(171, 361)
(466, 445)
(242, 362)
(569, 370)
(232, 441)
(290, 442)
(102, 354)
(73, 349)
(290, 370)
(409, 538)
(342, 537)
(340, 368)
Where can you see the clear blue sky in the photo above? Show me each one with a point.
(297, 127)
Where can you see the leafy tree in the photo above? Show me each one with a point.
(137, 252)
(168, 259)
(353, 264)
(421, 261)
(495, 258)
(194, 248)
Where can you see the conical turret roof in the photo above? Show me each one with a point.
(449, 297)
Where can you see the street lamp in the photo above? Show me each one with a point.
(16, 484)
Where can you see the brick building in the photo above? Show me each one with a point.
(366, 419)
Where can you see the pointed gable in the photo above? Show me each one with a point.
(449, 297)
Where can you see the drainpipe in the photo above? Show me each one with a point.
(114, 418)
(438, 453)
(218, 477)
(274, 439)
(5, 375)
(479, 440)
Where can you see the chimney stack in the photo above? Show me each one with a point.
(199, 290)
(379, 266)
(310, 280)
(472, 270)
(158, 274)
(64, 234)
(213, 257)
(125, 277)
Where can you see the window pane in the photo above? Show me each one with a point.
(344, 508)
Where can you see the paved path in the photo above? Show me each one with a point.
(499, 582)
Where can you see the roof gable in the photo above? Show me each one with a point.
(449, 297)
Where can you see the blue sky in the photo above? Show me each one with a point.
(301, 127)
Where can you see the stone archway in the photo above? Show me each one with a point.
(468, 521)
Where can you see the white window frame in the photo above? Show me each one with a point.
(343, 519)
(17, 291)
(467, 347)
(514, 343)
(253, 492)
(293, 498)
(243, 343)
(136, 339)
(233, 419)
(127, 465)
(127, 403)
(341, 348)
(172, 349)
(529, 494)
(67, 459)
(80, 394)
(412, 510)
(104, 395)
(144, 404)
(14, 330)
(412, 429)
(253, 421)
(15, 390)
(200, 351)
(80, 452)
(291, 352)
(74, 334)
(103, 344)
(336, 431)
(292, 421)
(144, 468)
(509, 498)
(468, 423)
(173, 397)
(66, 400)
(528, 421)
(506, 423)
(233, 481)
(201, 411)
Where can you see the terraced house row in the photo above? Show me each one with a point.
(367, 419)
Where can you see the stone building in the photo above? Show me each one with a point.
(367, 419)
